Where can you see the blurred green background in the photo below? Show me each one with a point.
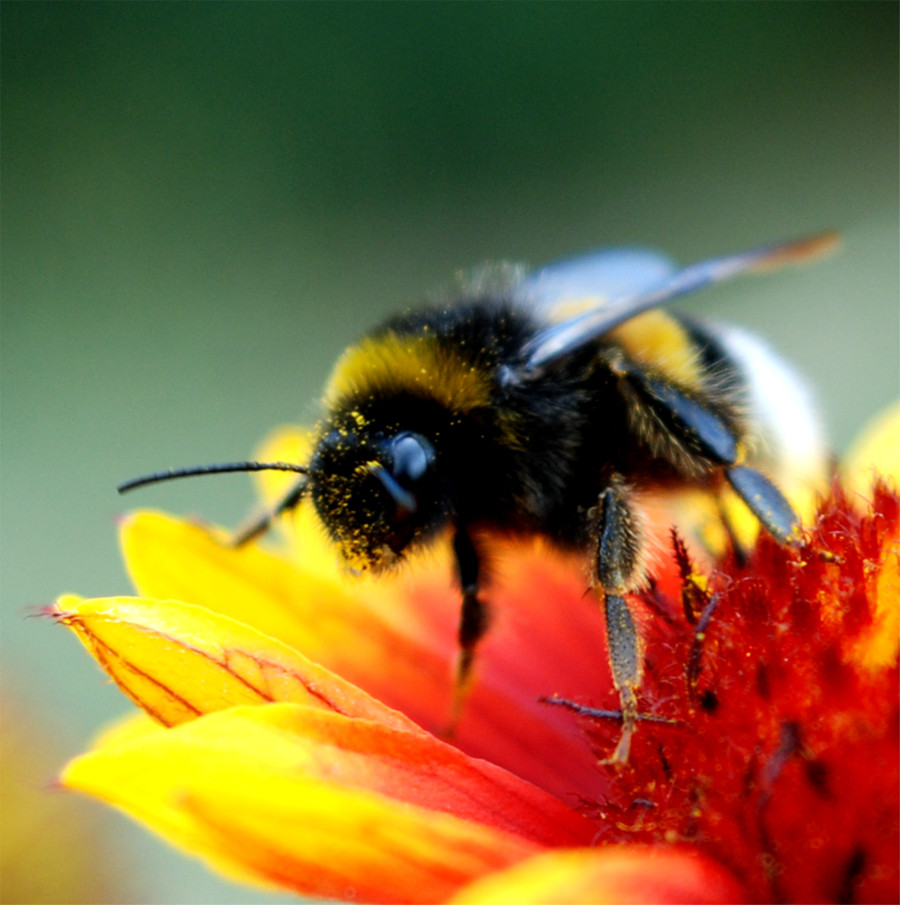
(204, 203)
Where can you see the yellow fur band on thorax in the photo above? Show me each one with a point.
(403, 362)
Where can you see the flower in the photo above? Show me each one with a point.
(293, 719)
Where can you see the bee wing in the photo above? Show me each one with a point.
(593, 280)
(645, 280)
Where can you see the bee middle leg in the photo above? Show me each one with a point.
(617, 570)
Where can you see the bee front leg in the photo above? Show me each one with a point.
(473, 621)
(617, 571)
(259, 524)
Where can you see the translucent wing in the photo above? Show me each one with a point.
(644, 280)
(594, 279)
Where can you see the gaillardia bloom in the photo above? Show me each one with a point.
(294, 716)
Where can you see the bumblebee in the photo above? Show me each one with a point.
(551, 403)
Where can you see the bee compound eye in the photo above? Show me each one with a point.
(412, 456)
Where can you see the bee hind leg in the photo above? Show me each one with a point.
(617, 572)
(624, 660)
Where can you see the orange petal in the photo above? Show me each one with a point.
(321, 804)
(628, 875)
(547, 637)
(177, 661)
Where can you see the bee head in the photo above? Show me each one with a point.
(377, 497)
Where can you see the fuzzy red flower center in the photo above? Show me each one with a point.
(782, 759)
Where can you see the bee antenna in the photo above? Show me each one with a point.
(225, 468)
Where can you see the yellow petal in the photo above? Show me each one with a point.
(131, 728)
(324, 805)
(876, 649)
(287, 443)
(351, 626)
(876, 452)
(177, 661)
(616, 875)
(304, 532)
